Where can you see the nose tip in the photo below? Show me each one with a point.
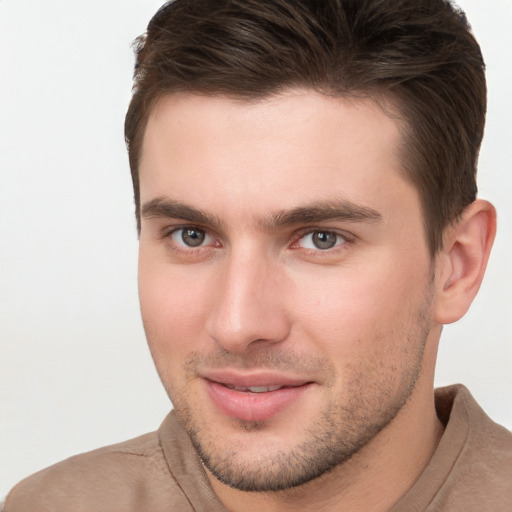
(249, 307)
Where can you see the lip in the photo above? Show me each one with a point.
(250, 406)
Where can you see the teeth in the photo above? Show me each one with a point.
(256, 389)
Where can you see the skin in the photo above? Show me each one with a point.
(258, 184)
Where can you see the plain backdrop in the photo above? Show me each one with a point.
(75, 372)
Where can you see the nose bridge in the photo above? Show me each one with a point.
(249, 304)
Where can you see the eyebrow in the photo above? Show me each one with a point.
(342, 210)
(168, 208)
(322, 211)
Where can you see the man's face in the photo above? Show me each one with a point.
(285, 280)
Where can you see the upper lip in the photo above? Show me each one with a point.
(253, 379)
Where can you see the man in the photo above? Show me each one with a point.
(304, 177)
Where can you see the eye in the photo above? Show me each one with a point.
(322, 240)
(190, 237)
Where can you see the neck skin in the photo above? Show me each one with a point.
(375, 478)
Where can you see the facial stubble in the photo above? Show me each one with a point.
(341, 431)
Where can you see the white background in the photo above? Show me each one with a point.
(75, 372)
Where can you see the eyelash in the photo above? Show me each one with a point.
(341, 240)
(182, 248)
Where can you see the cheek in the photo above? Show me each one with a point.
(173, 306)
(362, 313)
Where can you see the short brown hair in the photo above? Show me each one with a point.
(420, 54)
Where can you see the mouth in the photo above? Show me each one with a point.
(255, 389)
(255, 397)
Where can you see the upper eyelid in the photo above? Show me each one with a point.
(182, 248)
(168, 230)
(174, 229)
(315, 229)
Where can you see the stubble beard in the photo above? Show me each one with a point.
(341, 431)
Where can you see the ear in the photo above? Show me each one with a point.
(462, 260)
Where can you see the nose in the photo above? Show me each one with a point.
(249, 303)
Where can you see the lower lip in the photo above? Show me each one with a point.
(247, 406)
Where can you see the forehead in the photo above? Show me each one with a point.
(295, 147)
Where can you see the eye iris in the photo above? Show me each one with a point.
(193, 237)
(324, 239)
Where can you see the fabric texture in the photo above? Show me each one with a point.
(470, 471)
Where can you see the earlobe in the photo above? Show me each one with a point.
(463, 259)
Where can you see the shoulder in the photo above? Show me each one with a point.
(471, 468)
(128, 476)
(481, 475)
(485, 439)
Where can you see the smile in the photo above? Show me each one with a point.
(252, 399)
(254, 389)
